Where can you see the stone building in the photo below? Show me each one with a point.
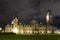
(32, 28)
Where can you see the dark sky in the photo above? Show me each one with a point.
(27, 8)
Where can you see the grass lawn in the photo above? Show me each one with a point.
(29, 37)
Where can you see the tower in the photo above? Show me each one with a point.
(49, 21)
(49, 17)
(15, 24)
(15, 21)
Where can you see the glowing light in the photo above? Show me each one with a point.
(22, 32)
(0, 28)
(2, 31)
(57, 32)
(30, 31)
(27, 31)
(35, 32)
(48, 31)
(42, 31)
(15, 30)
(12, 22)
(47, 17)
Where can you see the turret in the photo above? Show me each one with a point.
(49, 17)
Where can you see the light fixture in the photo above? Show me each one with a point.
(15, 30)
(0, 28)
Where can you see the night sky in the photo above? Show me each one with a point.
(26, 9)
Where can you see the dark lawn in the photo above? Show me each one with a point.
(29, 37)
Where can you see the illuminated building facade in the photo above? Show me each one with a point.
(8, 28)
(32, 28)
